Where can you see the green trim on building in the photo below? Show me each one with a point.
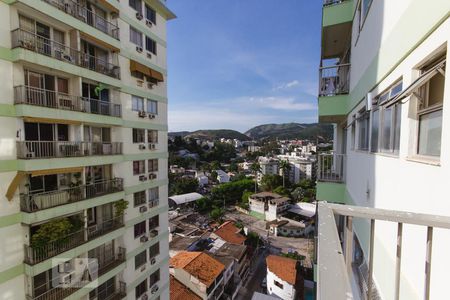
(144, 186)
(338, 13)
(257, 215)
(333, 105)
(151, 242)
(11, 273)
(332, 192)
(67, 162)
(7, 110)
(145, 275)
(8, 165)
(10, 220)
(143, 28)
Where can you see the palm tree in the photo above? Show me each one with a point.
(255, 168)
(284, 165)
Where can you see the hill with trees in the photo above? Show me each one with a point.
(291, 131)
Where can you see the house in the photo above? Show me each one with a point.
(222, 176)
(229, 233)
(284, 278)
(290, 228)
(267, 206)
(183, 200)
(179, 291)
(199, 272)
(202, 178)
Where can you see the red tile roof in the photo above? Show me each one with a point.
(198, 264)
(283, 267)
(179, 291)
(230, 233)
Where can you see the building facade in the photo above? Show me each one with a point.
(384, 84)
(83, 159)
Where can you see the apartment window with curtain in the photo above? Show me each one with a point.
(429, 114)
(141, 288)
(152, 136)
(154, 278)
(139, 198)
(136, 5)
(138, 167)
(152, 107)
(150, 14)
(139, 229)
(136, 37)
(150, 45)
(362, 124)
(140, 259)
(137, 103)
(138, 135)
(153, 165)
(153, 194)
(153, 222)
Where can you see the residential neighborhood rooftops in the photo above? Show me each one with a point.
(230, 233)
(234, 250)
(267, 196)
(283, 267)
(198, 264)
(179, 291)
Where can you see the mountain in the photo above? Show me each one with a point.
(212, 134)
(291, 131)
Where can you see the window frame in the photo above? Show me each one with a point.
(138, 167)
(137, 198)
(153, 14)
(151, 45)
(363, 116)
(140, 229)
(141, 288)
(140, 259)
(139, 103)
(152, 136)
(149, 106)
(152, 165)
(136, 5)
(138, 135)
(136, 33)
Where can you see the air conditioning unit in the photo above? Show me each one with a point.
(152, 146)
(148, 23)
(144, 297)
(139, 49)
(142, 114)
(142, 178)
(65, 267)
(143, 209)
(150, 85)
(141, 147)
(153, 233)
(143, 268)
(149, 55)
(139, 16)
(66, 278)
(144, 239)
(153, 261)
(152, 176)
(151, 116)
(139, 83)
(155, 288)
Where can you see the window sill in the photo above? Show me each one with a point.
(391, 155)
(424, 160)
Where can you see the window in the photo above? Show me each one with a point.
(278, 284)
(139, 198)
(152, 107)
(353, 133)
(153, 222)
(362, 123)
(138, 167)
(136, 5)
(375, 129)
(140, 259)
(137, 103)
(154, 278)
(136, 37)
(150, 45)
(138, 135)
(141, 288)
(153, 165)
(150, 14)
(154, 250)
(431, 98)
(362, 11)
(139, 229)
(153, 194)
(152, 136)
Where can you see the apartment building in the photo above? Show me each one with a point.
(384, 84)
(83, 151)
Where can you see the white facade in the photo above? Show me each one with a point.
(278, 287)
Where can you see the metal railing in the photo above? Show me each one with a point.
(332, 2)
(36, 43)
(40, 201)
(85, 15)
(34, 255)
(331, 167)
(335, 263)
(334, 80)
(47, 98)
(52, 149)
(107, 263)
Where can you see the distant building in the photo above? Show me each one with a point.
(267, 206)
(177, 201)
(269, 166)
(222, 176)
(284, 279)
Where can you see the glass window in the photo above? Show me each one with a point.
(375, 129)
(153, 165)
(139, 229)
(136, 37)
(138, 135)
(153, 194)
(137, 103)
(138, 167)
(140, 259)
(154, 250)
(150, 45)
(153, 222)
(150, 14)
(139, 198)
(136, 5)
(154, 278)
(363, 130)
(152, 107)
(386, 129)
(152, 136)
(141, 288)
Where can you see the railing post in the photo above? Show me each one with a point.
(398, 262)
(348, 244)
(372, 239)
(428, 262)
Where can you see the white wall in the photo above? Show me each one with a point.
(286, 293)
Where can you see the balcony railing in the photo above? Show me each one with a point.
(52, 149)
(334, 80)
(331, 167)
(47, 98)
(335, 265)
(332, 2)
(34, 255)
(36, 202)
(36, 43)
(85, 15)
(107, 263)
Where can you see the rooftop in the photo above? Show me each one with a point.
(234, 250)
(179, 291)
(230, 233)
(198, 264)
(267, 196)
(285, 268)
(185, 198)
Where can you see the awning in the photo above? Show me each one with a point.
(137, 67)
(419, 82)
(56, 171)
(51, 121)
(14, 185)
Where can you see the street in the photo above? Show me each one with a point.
(256, 276)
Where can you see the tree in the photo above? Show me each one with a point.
(255, 168)
(184, 185)
(230, 192)
(284, 166)
(216, 214)
(204, 204)
(271, 181)
(282, 191)
(244, 199)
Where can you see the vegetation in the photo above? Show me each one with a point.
(255, 168)
(253, 240)
(285, 167)
(292, 131)
(55, 231)
(215, 134)
(282, 191)
(304, 191)
(244, 200)
(183, 185)
(120, 207)
(270, 182)
(216, 214)
(221, 152)
(294, 255)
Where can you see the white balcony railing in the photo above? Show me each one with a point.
(331, 167)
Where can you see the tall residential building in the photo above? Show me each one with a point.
(83, 133)
(384, 84)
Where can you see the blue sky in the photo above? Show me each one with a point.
(236, 64)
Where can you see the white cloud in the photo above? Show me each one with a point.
(280, 103)
(286, 85)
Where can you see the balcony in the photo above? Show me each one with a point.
(107, 263)
(34, 255)
(118, 294)
(33, 42)
(60, 149)
(331, 167)
(341, 277)
(334, 80)
(52, 99)
(85, 15)
(337, 12)
(35, 202)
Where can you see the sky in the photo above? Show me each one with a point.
(236, 64)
